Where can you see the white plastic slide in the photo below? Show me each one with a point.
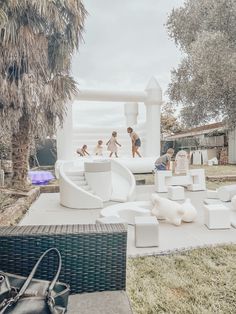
(87, 182)
(123, 183)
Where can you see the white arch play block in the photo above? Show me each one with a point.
(194, 181)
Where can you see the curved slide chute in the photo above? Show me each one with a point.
(86, 183)
(123, 183)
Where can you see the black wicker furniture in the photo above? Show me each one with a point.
(93, 256)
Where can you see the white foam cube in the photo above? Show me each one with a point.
(176, 193)
(212, 194)
(146, 231)
(217, 216)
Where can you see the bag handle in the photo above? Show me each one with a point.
(33, 271)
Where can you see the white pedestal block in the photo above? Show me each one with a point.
(213, 194)
(217, 216)
(146, 231)
(176, 193)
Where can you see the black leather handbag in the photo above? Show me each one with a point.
(21, 295)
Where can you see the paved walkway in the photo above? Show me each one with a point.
(47, 211)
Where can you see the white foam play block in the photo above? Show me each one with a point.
(160, 181)
(212, 194)
(146, 231)
(176, 193)
(198, 180)
(110, 220)
(217, 216)
(227, 192)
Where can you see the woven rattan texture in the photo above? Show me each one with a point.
(93, 256)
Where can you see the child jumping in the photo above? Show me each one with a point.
(82, 151)
(163, 162)
(112, 144)
(99, 148)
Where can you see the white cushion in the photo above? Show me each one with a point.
(146, 231)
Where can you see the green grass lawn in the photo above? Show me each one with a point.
(200, 281)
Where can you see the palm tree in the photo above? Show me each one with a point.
(37, 40)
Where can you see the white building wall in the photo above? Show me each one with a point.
(232, 146)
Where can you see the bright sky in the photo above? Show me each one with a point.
(125, 44)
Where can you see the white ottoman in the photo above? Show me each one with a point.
(217, 216)
(176, 193)
(146, 231)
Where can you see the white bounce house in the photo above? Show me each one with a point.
(69, 138)
(89, 182)
(80, 187)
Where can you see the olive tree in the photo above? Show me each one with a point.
(204, 82)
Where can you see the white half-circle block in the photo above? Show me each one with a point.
(130, 214)
(227, 192)
(128, 211)
(233, 202)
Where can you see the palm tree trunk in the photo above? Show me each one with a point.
(20, 153)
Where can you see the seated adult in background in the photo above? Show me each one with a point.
(82, 151)
(163, 162)
(136, 142)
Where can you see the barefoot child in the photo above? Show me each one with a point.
(112, 144)
(99, 148)
(82, 151)
(136, 142)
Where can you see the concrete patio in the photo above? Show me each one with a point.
(47, 211)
